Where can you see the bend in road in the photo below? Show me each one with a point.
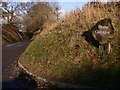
(11, 75)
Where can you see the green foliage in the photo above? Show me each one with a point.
(63, 55)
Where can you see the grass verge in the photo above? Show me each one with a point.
(63, 55)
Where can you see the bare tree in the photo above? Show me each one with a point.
(56, 11)
(14, 9)
(10, 8)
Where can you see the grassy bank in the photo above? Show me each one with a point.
(62, 54)
(10, 33)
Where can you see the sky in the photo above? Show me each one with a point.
(71, 5)
(65, 5)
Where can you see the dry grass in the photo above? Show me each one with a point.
(62, 54)
(10, 33)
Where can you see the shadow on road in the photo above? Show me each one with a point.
(22, 81)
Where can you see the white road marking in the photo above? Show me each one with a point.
(13, 44)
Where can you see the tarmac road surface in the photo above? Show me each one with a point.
(12, 77)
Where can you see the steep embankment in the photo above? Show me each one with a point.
(62, 54)
(10, 33)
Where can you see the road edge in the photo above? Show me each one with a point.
(58, 84)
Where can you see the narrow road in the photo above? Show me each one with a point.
(11, 75)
